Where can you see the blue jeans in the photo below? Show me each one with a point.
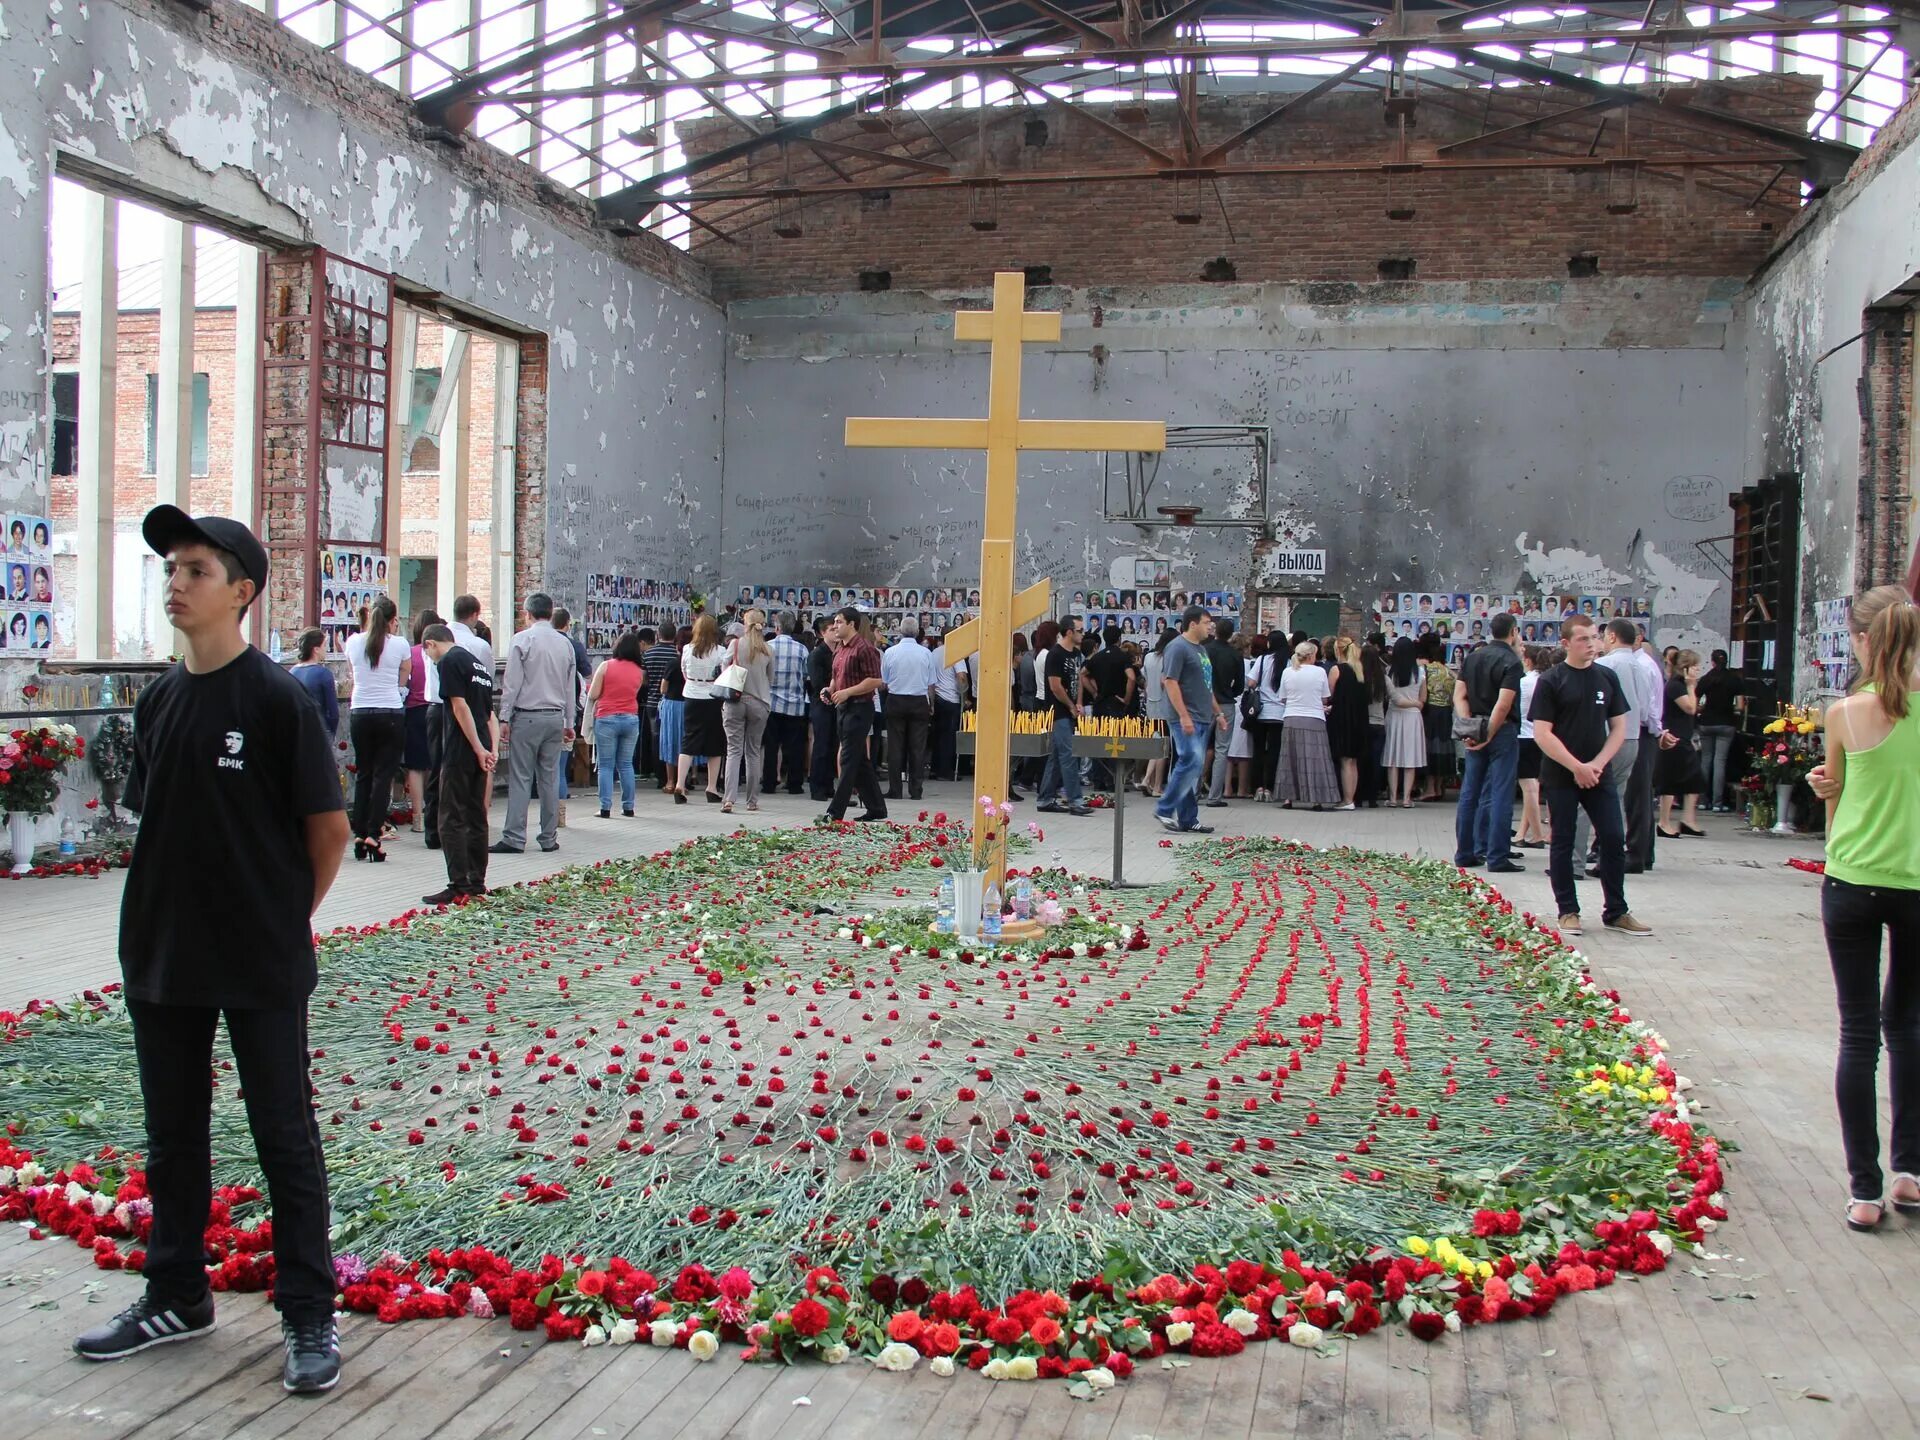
(1180, 800)
(1063, 771)
(614, 737)
(1483, 824)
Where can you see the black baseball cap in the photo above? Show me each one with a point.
(167, 527)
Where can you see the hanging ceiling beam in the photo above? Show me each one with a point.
(451, 108)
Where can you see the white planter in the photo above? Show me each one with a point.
(20, 836)
(968, 886)
(1783, 809)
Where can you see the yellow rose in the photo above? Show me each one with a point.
(1806, 727)
(1417, 1246)
(1774, 727)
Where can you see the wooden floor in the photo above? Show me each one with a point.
(1791, 1327)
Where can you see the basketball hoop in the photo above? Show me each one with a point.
(1182, 516)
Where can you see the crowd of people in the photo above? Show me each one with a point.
(743, 703)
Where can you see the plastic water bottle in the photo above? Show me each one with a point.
(1022, 897)
(990, 913)
(69, 838)
(943, 907)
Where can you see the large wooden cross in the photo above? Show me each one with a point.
(1003, 435)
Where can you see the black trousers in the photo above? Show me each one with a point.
(436, 753)
(464, 792)
(1603, 809)
(946, 748)
(855, 722)
(1640, 806)
(786, 752)
(1854, 916)
(646, 749)
(379, 738)
(826, 744)
(908, 721)
(173, 1045)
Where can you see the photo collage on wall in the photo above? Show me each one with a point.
(1151, 606)
(937, 607)
(26, 608)
(350, 581)
(617, 603)
(1460, 618)
(1833, 645)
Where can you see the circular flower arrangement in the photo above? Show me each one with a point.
(739, 1091)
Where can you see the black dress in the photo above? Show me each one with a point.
(1679, 771)
(1348, 735)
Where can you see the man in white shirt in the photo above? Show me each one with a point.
(466, 611)
(1654, 738)
(908, 681)
(1617, 654)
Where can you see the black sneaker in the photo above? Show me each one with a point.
(1198, 830)
(145, 1323)
(313, 1355)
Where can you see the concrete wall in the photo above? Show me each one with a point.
(233, 113)
(1567, 435)
(1807, 414)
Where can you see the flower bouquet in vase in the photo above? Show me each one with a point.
(1790, 746)
(969, 864)
(112, 757)
(31, 764)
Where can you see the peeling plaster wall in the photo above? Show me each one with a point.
(308, 152)
(1854, 250)
(1470, 436)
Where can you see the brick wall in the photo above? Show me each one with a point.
(530, 471)
(1886, 427)
(1465, 225)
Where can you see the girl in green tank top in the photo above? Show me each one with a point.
(1871, 783)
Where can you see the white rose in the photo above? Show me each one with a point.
(78, 1194)
(897, 1357)
(1661, 1241)
(1023, 1367)
(703, 1344)
(1708, 1223)
(1179, 1333)
(661, 1333)
(996, 1370)
(699, 952)
(594, 1336)
(1100, 1377)
(1453, 1322)
(7, 1173)
(835, 1354)
(941, 1365)
(1243, 1321)
(1079, 952)
(1306, 1336)
(844, 933)
(624, 1332)
(866, 942)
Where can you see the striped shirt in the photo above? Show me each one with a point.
(789, 675)
(656, 664)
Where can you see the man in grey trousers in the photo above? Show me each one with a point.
(536, 723)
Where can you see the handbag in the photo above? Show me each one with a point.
(1471, 728)
(1250, 697)
(733, 680)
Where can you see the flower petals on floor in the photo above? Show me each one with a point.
(739, 1092)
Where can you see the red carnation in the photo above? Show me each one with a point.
(809, 1318)
(1426, 1325)
(1005, 1330)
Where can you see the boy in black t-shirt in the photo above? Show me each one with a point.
(241, 833)
(1579, 716)
(470, 749)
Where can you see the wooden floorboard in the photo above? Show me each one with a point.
(1788, 1306)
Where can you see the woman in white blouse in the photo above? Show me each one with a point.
(1305, 771)
(380, 666)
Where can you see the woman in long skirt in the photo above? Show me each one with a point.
(1405, 753)
(1305, 772)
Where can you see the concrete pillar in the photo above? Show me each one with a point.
(246, 391)
(173, 411)
(455, 474)
(406, 335)
(99, 342)
(506, 404)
